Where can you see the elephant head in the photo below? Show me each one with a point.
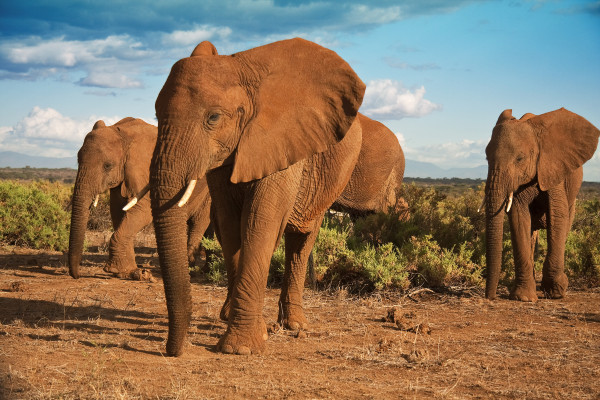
(110, 156)
(257, 111)
(537, 149)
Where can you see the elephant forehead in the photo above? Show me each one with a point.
(201, 72)
(208, 80)
(510, 138)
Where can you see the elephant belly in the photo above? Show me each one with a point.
(539, 210)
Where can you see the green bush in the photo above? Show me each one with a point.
(435, 266)
(582, 251)
(34, 214)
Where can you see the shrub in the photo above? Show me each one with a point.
(34, 214)
(435, 266)
(215, 263)
(582, 250)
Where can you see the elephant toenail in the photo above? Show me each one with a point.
(244, 351)
(228, 349)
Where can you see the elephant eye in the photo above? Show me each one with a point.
(213, 118)
(520, 157)
(108, 166)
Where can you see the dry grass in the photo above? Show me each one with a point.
(103, 338)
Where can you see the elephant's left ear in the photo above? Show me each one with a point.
(305, 99)
(139, 147)
(566, 140)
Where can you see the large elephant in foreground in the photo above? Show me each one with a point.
(534, 173)
(274, 131)
(118, 158)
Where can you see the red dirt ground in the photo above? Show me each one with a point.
(102, 337)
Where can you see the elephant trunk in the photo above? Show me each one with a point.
(169, 177)
(82, 200)
(494, 218)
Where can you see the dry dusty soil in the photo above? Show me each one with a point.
(102, 337)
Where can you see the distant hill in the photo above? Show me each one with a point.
(414, 169)
(17, 160)
(419, 169)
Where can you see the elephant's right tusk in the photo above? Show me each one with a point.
(482, 204)
(510, 200)
(188, 193)
(96, 200)
(131, 203)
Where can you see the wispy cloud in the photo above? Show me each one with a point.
(46, 132)
(461, 154)
(396, 63)
(388, 100)
(102, 60)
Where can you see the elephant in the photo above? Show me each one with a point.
(374, 186)
(534, 173)
(377, 177)
(274, 131)
(118, 158)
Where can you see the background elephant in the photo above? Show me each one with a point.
(274, 131)
(118, 158)
(377, 177)
(374, 186)
(534, 172)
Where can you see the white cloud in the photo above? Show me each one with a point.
(197, 35)
(463, 154)
(111, 62)
(46, 132)
(388, 99)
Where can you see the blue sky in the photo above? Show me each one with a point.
(438, 72)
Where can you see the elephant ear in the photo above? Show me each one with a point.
(99, 124)
(305, 99)
(139, 140)
(506, 115)
(566, 142)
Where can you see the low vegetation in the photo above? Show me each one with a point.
(441, 244)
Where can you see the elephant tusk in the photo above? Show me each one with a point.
(188, 193)
(96, 200)
(482, 204)
(132, 203)
(510, 200)
(143, 192)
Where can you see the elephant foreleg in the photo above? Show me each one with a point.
(265, 212)
(521, 237)
(554, 279)
(298, 247)
(121, 260)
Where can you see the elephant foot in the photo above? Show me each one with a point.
(292, 317)
(244, 340)
(119, 271)
(524, 293)
(226, 310)
(555, 288)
